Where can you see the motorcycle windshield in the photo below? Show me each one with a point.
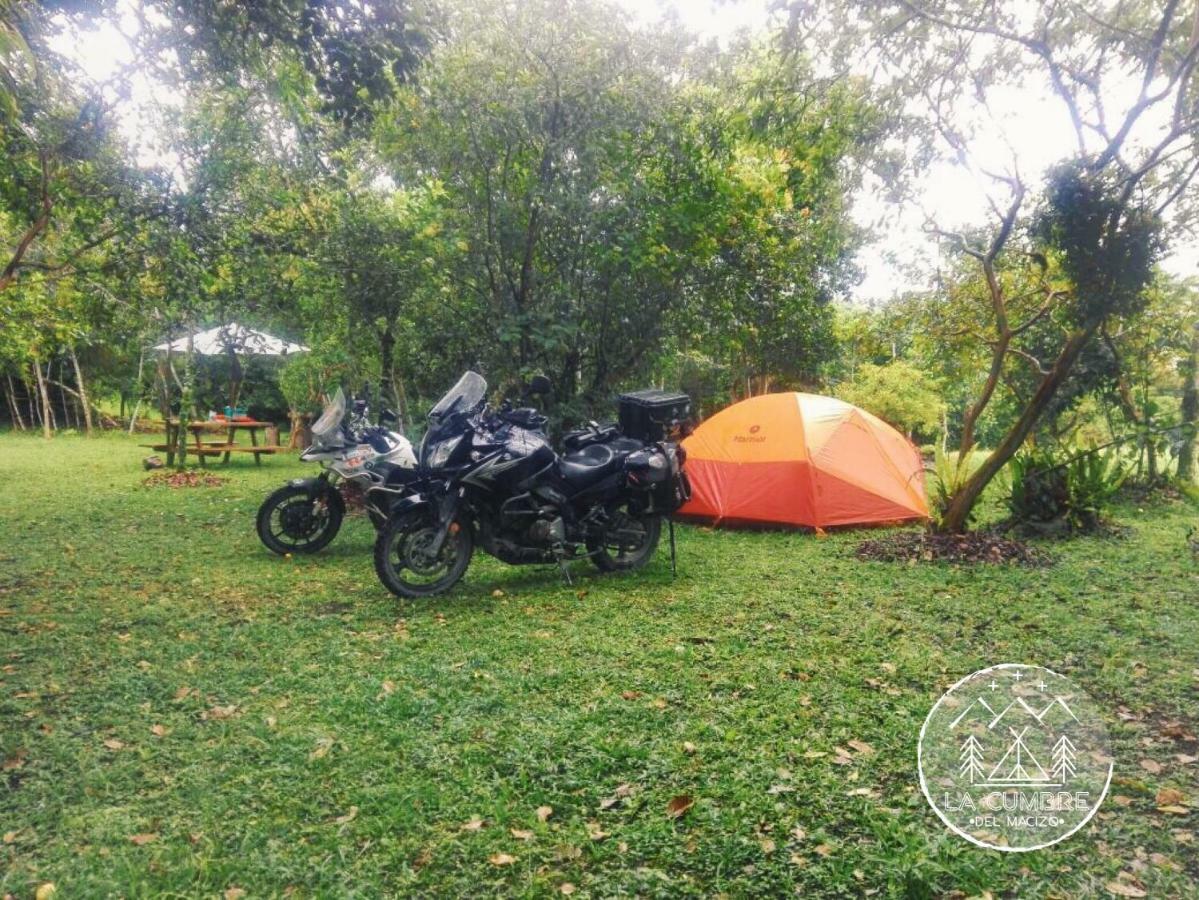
(465, 396)
(326, 426)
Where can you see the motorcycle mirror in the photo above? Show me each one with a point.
(539, 384)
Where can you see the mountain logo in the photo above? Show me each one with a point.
(1014, 757)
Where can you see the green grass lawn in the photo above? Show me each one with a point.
(183, 713)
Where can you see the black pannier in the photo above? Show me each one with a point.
(653, 415)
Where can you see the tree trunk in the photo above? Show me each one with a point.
(137, 402)
(11, 395)
(83, 400)
(47, 413)
(387, 344)
(961, 504)
(185, 401)
(31, 404)
(1190, 409)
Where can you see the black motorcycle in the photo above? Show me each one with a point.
(491, 478)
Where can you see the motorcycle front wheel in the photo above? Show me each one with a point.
(627, 542)
(404, 559)
(291, 521)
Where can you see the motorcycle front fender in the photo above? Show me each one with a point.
(313, 486)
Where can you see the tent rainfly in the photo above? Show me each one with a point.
(802, 459)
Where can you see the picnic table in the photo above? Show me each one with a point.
(226, 447)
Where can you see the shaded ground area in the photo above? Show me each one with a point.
(976, 547)
(181, 711)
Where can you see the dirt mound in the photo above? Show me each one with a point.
(973, 547)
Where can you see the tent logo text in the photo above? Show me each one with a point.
(752, 437)
(1014, 757)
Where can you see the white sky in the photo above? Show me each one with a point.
(901, 257)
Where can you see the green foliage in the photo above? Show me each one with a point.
(1077, 488)
(1107, 246)
(898, 393)
(949, 472)
(303, 711)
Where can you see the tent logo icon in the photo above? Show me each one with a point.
(1014, 757)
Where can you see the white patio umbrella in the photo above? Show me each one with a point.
(220, 340)
(232, 340)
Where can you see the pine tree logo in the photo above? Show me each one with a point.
(1063, 760)
(972, 760)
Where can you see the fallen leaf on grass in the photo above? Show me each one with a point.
(220, 712)
(45, 891)
(1174, 810)
(679, 805)
(798, 833)
(234, 893)
(544, 812)
(595, 832)
(1170, 796)
(630, 695)
(688, 748)
(767, 845)
(387, 688)
(140, 839)
(520, 834)
(825, 849)
(862, 747)
(566, 888)
(1152, 766)
(1123, 889)
(158, 730)
(114, 744)
(15, 761)
(501, 859)
(323, 746)
(10, 836)
(475, 824)
(348, 817)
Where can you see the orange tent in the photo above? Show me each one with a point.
(802, 459)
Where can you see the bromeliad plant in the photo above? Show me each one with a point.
(1071, 494)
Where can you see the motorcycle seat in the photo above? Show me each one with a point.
(590, 464)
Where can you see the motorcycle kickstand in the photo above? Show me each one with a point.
(674, 569)
(561, 558)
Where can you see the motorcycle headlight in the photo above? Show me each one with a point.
(440, 454)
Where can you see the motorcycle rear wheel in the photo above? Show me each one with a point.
(403, 561)
(628, 543)
(290, 521)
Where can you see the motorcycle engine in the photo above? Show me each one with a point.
(547, 532)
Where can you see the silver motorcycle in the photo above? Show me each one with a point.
(361, 462)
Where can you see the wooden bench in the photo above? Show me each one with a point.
(225, 447)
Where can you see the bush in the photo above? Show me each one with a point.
(1071, 492)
